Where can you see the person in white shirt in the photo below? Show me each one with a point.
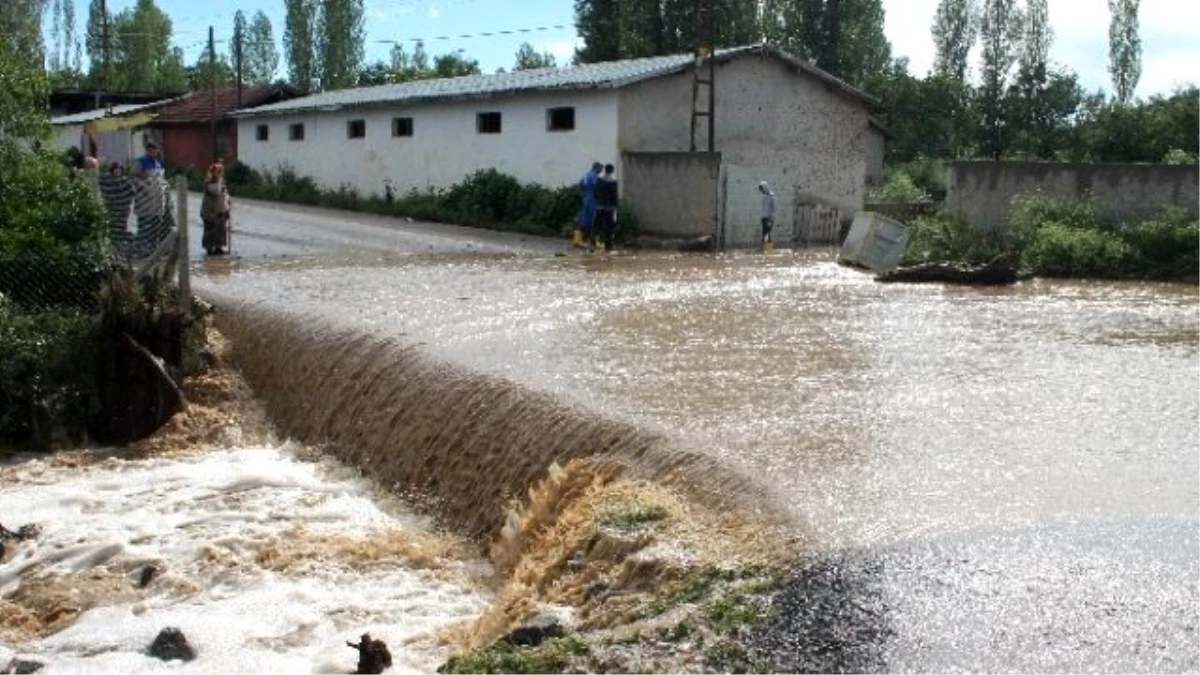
(768, 214)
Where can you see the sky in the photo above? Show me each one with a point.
(1169, 32)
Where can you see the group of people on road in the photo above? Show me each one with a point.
(601, 195)
(147, 194)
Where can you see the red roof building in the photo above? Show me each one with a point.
(185, 128)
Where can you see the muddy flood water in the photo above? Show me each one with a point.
(988, 479)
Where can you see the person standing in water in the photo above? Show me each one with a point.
(768, 216)
(587, 220)
(607, 198)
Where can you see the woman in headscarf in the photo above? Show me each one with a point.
(214, 210)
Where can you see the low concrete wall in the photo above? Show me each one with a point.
(982, 191)
(674, 194)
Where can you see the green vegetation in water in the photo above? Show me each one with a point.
(635, 517)
(552, 656)
(1068, 238)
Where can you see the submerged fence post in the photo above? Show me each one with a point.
(181, 229)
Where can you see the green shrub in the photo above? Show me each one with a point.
(485, 197)
(898, 188)
(1030, 212)
(45, 207)
(1165, 246)
(946, 238)
(1059, 250)
(241, 175)
(46, 376)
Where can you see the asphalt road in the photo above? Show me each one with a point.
(267, 229)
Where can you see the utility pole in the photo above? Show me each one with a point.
(237, 61)
(212, 91)
(704, 14)
(104, 84)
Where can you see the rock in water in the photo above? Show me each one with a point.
(170, 645)
(373, 655)
(22, 667)
(536, 631)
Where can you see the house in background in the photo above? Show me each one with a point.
(112, 134)
(777, 118)
(184, 128)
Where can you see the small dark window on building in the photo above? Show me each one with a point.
(488, 123)
(296, 132)
(262, 132)
(560, 119)
(402, 126)
(356, 129)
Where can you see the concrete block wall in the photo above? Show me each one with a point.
(982, 191)
(674, 194)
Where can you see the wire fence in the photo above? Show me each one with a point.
(142, 215)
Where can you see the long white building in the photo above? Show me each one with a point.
(777, 118)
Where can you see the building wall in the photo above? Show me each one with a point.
(444, 147)
(674, 193)
(876, 147)
(812, 137)
(190, 145)
(982, 191)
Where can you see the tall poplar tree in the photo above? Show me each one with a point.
(1000, 33)
(340, 37)
(954, 29)
(1124, 48)
(300, 44)
(259, 55)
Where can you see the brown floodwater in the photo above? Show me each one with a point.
(1033, 448)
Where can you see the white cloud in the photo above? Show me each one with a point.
(1170, 49)
(562, 50)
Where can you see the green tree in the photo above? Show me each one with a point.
(21, 30)
(260, 58)
(454, 65)
(375, 74)
(1000, 32)
(172, 76)
(954, 29)
(142, 46)
(844, 37)
(1124, 48)
(598, 23)
(94, 44)
(340, 39)
(300, 44)
(527, 58)
(203, 75)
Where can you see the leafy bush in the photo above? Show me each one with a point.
(899, 188)
(1165, 246)
(1031, 212)
(44, 207)
(241, 175)
(486, 197)
(1059, 250)
(944, 237)
(46, 377)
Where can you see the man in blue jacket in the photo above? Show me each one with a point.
(587, 220)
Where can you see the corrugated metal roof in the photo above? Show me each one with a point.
(608, 75)
(115, 111)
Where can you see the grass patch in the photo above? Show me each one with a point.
(635, 517)
(553, 656)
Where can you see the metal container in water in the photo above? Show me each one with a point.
(875, 242)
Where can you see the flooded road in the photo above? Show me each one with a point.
(1011, 474)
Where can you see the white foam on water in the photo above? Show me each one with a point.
(202, 520)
